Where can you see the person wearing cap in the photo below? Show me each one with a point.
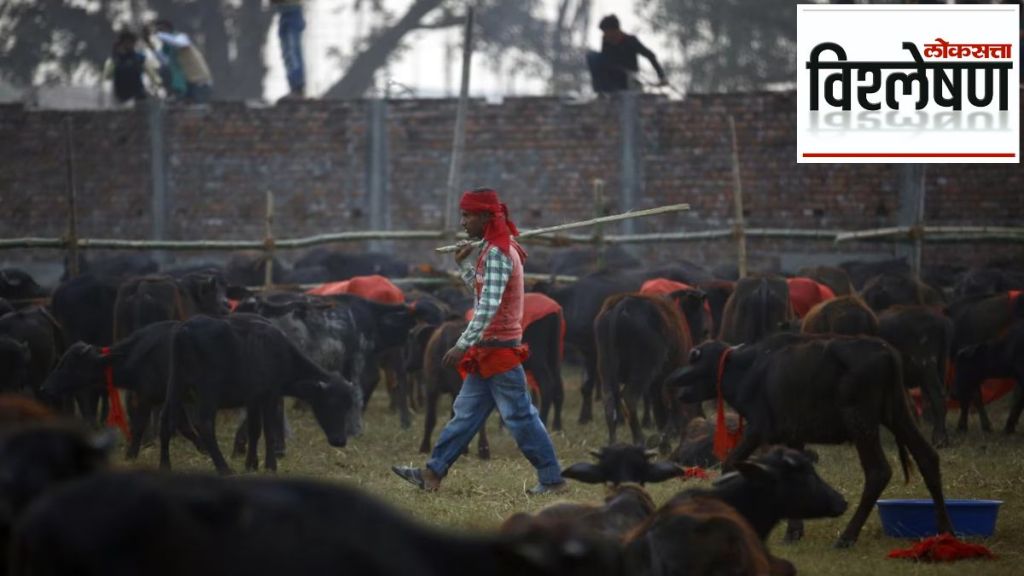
(490, 353)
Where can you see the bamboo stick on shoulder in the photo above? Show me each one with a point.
(580, 224)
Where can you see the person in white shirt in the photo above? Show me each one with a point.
(198, 80)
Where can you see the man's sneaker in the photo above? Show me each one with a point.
(542, 489)
(424, 480)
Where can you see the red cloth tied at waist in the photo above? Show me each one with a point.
(487, 361)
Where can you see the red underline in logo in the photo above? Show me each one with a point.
(909, 154)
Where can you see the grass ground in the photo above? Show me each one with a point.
(480, 494)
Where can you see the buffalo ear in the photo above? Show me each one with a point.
(755, 471)
(661, 471)
(584, 472)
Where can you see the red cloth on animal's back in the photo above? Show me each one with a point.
(535, 307)
(663, 286)
(804, 293)
(942, 548)
(374, 287)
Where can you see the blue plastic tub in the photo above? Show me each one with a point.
(916, 518)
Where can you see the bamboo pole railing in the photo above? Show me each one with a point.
(585, 223)
(929, 234)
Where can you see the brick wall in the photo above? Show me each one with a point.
(541, 153)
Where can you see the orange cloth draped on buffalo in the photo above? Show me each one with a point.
(374, 287)
(992, 389)
(664, 287)
(942, 548)
(535, 307)
(804, 293)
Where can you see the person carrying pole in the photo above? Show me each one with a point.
(490, 353)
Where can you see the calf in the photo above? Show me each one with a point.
(798, 389)
(33, 343)
(162, 524)
(640, 339)
(84, 306)
(923, 338)
(979, 319)
(999, 358)
(244, 361)
(139, 364)
(781, 484)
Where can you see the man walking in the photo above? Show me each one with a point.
(489, 354)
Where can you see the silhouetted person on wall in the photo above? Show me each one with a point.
(126, 67)
(610, 70)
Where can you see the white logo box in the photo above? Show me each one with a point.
(872, 34)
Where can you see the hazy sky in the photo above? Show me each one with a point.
(421, 67)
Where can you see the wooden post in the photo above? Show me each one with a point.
(599, 228)
(72, 240)
(268, 243)
(918, 229)
(737, 197)
(459, 143)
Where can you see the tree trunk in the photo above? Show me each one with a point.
(359, 77)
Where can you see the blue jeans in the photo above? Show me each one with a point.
(475, 402)
(290, 25)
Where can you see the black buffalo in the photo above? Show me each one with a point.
(887, 290)
(1002, 357)
(19, 287)
(799, 389)
(640, 340)
(979, 319)
(781, 484)
(31, 341)
(37, 457)
(923, 338)
(847, 315)
(581, 302)
(756, 309)
(139, 364)
(176, 524)
(244, 361)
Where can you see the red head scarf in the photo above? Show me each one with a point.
(500, 229)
